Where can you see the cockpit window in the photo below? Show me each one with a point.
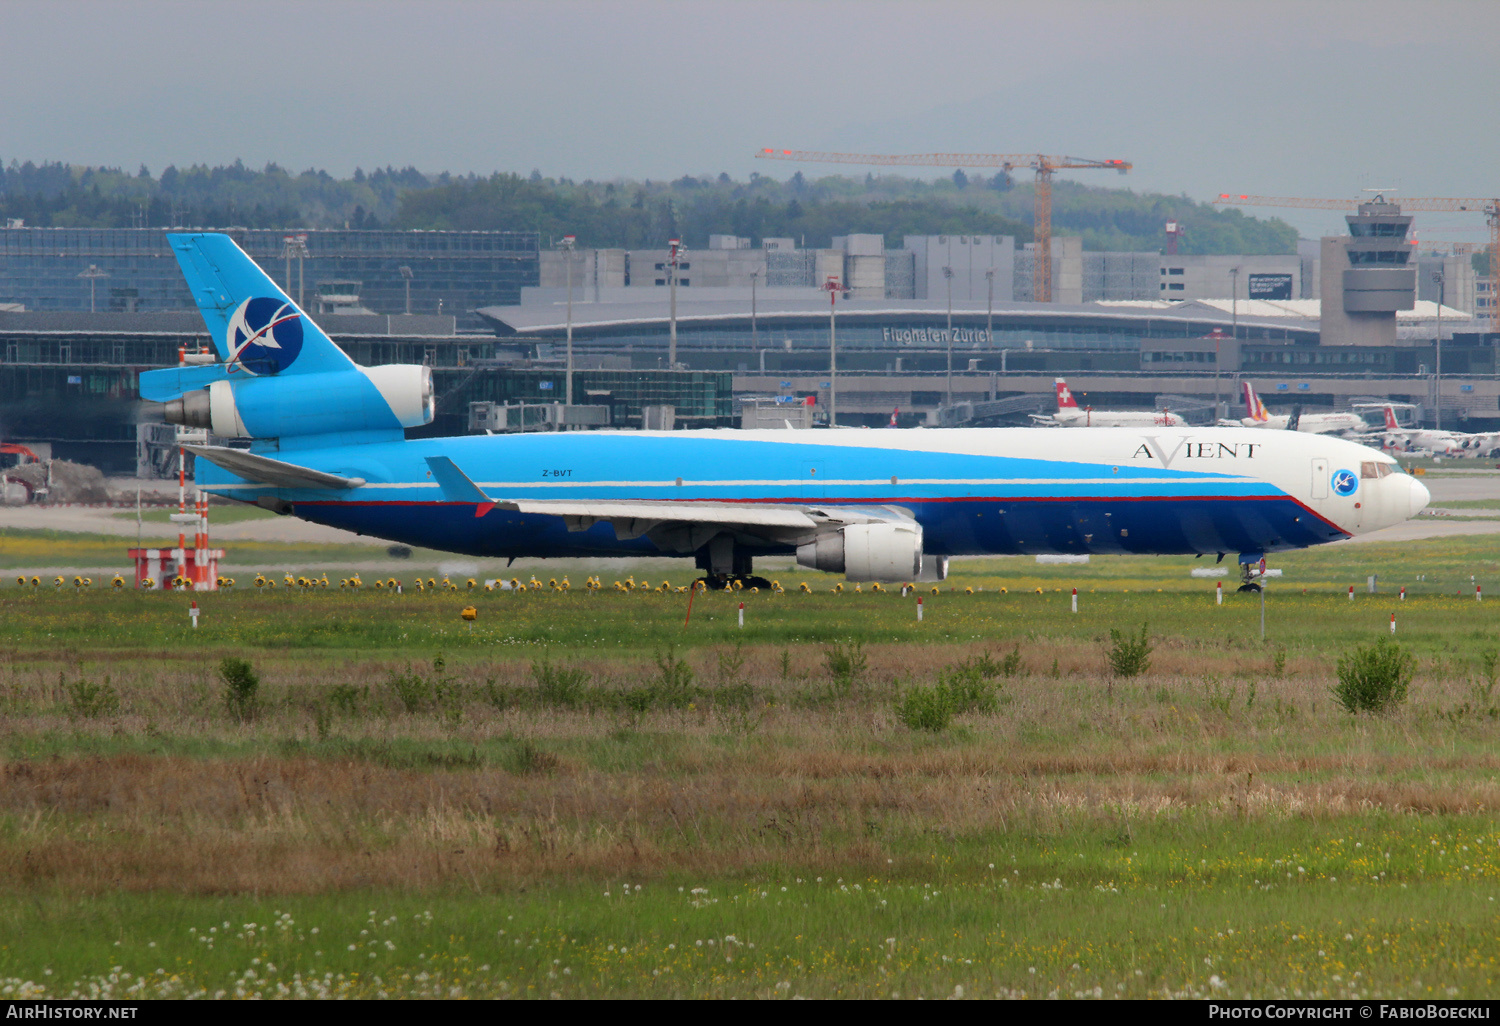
(1369, 470)
(1385, 469)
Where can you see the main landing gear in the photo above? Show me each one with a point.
(718, 582)
(724, 564)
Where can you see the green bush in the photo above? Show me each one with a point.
(966, 689)
(925, 709)
(1129, 656)
(673, 687)
(414, 692)
(1011, 664)
(241, 687)
(88, 700)
(1375, 678)
(345, 698)
(847, 665)
(562, 687)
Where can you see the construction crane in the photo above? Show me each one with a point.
(1044, 166)
(1490, 208)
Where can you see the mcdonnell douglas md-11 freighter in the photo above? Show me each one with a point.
(326, 442)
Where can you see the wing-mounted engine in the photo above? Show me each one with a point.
(867, 552)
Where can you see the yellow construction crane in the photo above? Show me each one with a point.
(1044, 166)
(1490, 208)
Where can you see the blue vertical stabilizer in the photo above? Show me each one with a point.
(257, 329)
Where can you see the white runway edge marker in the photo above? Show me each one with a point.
(193, 612)
(742, 616)
(1219, 591)
(1393, 623)
(1351, 593)
(1075, 600)
(1478, 594)
(919, 609)
(1403, 593)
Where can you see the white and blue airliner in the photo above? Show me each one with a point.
(327, 443)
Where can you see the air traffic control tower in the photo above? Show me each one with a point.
(1366, 277)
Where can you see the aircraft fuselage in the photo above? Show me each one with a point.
(974, 491)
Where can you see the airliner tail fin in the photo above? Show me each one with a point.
(256, 328)
(1065, 400)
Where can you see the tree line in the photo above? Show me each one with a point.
(621, 213)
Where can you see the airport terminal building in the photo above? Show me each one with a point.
(489, 312)
(132, 270)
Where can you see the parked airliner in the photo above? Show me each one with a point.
(1070, 414)
(326, 443)
(1441, 443)
(1313, 423)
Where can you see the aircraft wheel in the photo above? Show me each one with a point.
(1252, 588)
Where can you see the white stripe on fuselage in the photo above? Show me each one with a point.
(825, 482)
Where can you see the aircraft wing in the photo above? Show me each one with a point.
(685, 526)
(679, 526)
(276, 473)
(588, 512)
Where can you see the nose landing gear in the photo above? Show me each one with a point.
(1251, 566)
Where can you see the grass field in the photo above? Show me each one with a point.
(24, 549)
(231, 514)
(584, 796)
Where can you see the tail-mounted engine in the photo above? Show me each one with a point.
(363, 399)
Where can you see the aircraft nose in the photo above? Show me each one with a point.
(1419, 495)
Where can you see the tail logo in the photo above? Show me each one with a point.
(1345, 483)
(264, 337)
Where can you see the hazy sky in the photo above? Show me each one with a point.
(1300, 98)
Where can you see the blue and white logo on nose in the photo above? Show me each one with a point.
(264, 336)
(1345, 482)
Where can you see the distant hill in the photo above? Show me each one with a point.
(622, 212)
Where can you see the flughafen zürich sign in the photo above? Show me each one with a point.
(938, 336)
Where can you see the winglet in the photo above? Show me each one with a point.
(456, 485)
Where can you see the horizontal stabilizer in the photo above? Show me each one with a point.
(456, 485)
(276, 473)
(162, 386)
